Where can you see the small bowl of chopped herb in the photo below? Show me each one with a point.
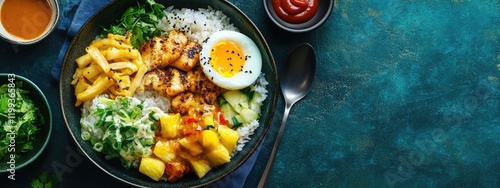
(25, 120)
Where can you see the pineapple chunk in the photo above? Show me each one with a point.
(152, 167)
(208, 120)
(210, 139)
(219, 155)
(170, 125)
(165, 150)
(228, 137)
(200, 166)
(192, 146)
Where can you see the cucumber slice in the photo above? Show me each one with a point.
(221, 100)
(254, 105)
(229, 112)
(249, 115)
(237, 99)
(237, 121)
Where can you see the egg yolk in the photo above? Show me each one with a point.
(227, 58)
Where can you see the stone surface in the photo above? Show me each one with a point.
(407, 94)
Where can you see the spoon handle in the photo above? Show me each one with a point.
(270, 162)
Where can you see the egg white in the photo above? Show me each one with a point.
(251, 68)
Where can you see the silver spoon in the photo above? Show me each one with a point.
(295, 82)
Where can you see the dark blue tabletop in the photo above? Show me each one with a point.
(407, 94)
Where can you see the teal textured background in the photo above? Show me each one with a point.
(407, 94)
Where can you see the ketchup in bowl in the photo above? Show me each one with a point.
(295, 11)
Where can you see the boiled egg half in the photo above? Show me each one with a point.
(230, 59)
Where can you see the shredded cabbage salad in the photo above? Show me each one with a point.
(121, 128)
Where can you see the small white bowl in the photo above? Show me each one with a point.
(54, 19)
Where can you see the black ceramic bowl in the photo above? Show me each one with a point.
(43, 136)
(324, 10)
(72, 115)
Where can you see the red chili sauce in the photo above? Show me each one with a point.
(295, 11)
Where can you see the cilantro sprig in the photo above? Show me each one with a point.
(141, 20)
(45, 180)
(24, 122)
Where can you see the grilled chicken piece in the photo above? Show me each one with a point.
(170, 82)
(158, 52)
(189, 58)
(187, 103)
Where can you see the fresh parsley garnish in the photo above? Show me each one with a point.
(18, 115)
(45, 180)
(141, 20)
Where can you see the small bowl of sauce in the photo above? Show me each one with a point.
(298, 15)
(27, 21)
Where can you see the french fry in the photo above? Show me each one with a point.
(76, 76)
(123, 81)
(105, 43)
(115, 53)
(84, 61)
(120, 38)
(91, 71)
(100, 85)
(123, 65)
(81, 86)
(98, 58)
(110, 66)
(138, 79)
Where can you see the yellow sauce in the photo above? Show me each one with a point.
(26, 19)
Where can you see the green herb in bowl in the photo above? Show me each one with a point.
(20, 120)
(25, 123)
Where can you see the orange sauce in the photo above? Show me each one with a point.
(26, 19)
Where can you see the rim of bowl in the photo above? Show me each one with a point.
(54, 5)
(49, 123)
(297, 28)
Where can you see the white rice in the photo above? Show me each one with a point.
(152, 98)
(198, 25)
(247, 130)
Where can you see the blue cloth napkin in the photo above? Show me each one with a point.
(82, 11)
